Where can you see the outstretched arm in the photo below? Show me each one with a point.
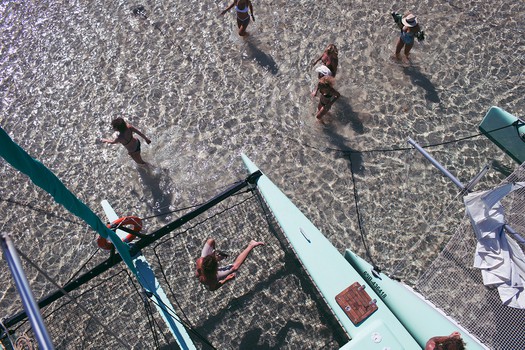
(112, 142)
(222, 282)
(138, 132)
(317, 60)
(225, 279)
(228, 8)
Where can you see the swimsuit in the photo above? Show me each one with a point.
(131, 138)
(244, 10)
(330, 62)
(328, 97)
(137, 149)
(407, 37)
(325, 101)
(247, 19)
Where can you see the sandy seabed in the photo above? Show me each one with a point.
(204, 95)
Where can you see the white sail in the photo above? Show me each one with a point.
(501, 260)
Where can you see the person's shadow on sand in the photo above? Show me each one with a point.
(421, 80)
(263, 59)
(342, 115)
(345, 115)
(152, 180)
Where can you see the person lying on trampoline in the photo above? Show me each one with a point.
(208, 270)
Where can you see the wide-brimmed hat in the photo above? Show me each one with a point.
(410, 20)
(323, 70)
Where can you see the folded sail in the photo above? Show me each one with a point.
(45, 179)
(501, 260)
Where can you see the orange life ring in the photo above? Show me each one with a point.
(134, 221)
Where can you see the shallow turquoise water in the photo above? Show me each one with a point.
(203, 95)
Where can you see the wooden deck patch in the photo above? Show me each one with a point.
(356, 303)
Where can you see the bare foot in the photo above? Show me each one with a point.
(145, 166)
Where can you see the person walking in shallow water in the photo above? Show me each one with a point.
(329, 58)
(325, 87)
(410, 29)
(126, 138)
(208, 270)
(243, 18)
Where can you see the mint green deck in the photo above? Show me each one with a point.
(420, 318)
(507, 138)
(150, 283)
(332, 274)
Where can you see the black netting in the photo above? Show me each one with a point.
(270, 304)
(457, 288)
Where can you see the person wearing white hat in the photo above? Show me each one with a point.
(243, 19)
(409, 29)
(322, 71)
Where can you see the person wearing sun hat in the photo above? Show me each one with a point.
(409, 29)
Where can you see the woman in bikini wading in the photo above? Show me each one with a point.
(329, 95)
(126, 138)
(243, 18)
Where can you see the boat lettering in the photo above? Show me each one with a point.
(374, 285)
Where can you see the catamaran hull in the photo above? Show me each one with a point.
(422, 319)
(403, 320)
(498, 126)
(332, 274)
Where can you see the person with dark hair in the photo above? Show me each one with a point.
(126, 138)
(450, 342)
(243, 18)
(208, 270)
(325, 87)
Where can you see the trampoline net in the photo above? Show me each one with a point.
(270, 304)
(457, 288)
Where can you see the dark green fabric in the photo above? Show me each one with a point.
(44, 178)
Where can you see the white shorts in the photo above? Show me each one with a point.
(222, 271)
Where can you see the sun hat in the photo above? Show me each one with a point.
(410, 20)
(324, 70)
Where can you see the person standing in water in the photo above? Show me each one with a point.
(126, 138)
(243, 18)
(325, 87)
(329, 59)
(409, 30)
